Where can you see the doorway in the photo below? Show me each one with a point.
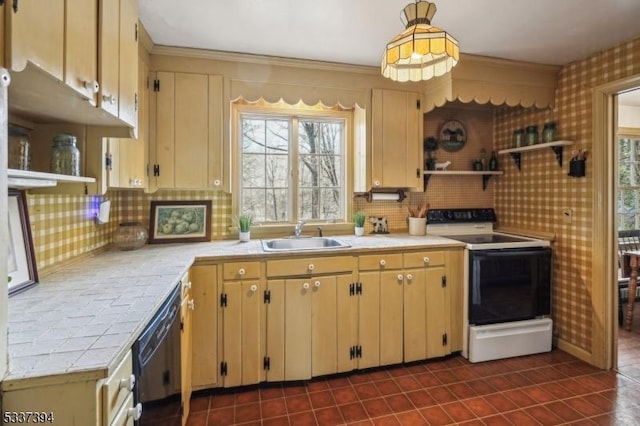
(627, 148)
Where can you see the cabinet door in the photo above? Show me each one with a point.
(218, 167)
(348, 323)
(396, 139)
(36, 33)
(128, 63)
(438, 313)
(182, 130)
(186, 309)
(108, 55)
(2, 36)
(324, 328)
(391, 306)
(369, 319)
(415, 315)
(242, 330)
(297, 335)
(275, 331)
(81, 47)
(128, 155)
(204, 326)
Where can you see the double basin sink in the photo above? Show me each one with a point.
(302, 243)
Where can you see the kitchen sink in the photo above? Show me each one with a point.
(309, 243)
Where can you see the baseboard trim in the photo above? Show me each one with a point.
(575, 351)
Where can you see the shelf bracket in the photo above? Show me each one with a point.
(516, 158)
(485, 180)
(426, 182)
(558, 151)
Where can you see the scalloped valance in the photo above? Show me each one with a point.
(293, 93)
(486, 80)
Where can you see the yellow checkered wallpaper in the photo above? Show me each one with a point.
(534, 197)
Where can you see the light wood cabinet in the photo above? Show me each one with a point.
(81, 47)
(186, 139)
(187, 306)
(80, 399)
(396, 140)
(242, 343)
(35, 32)
(127, 157)
(426, 306)
(118, 59)
(205, 320)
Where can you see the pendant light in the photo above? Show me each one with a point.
(421, 51)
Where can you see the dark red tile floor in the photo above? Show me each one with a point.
(545, 389)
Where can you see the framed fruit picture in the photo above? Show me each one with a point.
(452, 136)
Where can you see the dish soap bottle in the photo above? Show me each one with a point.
(493, 161)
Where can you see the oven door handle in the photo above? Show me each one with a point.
(510, 252)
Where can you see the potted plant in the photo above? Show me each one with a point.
(244, 222)
(358, 221)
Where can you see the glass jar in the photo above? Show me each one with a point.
(130, 236)
(518, 138)
(531, 135)
(19, 149)
(65, 156)
(549, 132)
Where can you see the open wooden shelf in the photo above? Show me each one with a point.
(556, 146)
(486, 175)
(25, 179)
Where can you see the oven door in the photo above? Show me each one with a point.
(508, 284)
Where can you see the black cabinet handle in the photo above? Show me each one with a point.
(15, 6)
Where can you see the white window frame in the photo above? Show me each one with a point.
(632, 134)
(295, 114)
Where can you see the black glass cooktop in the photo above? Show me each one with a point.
(487, 238)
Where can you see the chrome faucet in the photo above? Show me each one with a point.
(297, 230)
(319, 231)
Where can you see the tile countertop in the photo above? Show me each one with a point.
(84, 318)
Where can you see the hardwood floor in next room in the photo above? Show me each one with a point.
(544, 389)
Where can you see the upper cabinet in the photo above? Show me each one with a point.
(81, 48)
(73, 61)
(118, 55)
(35, 33)
(186, 137)
(396, 140)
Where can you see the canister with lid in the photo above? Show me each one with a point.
(65, 156)
(19, 148)
(531, 135)
(549, 132)
(518, 136)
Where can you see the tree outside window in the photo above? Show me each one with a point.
(292, 167)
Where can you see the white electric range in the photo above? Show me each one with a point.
(507, 285)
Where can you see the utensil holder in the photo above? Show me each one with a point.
(577, 168)
(417, 226)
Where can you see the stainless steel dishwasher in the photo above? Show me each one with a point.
(156, 364)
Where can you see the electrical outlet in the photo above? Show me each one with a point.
(567, 215)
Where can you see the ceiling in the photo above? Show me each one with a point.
(356, 31)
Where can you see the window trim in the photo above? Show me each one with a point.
(238, 109)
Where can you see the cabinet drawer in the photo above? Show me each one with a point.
(309, 266)
(379, 262)
(241, 270)
(124, 417)
(115, 389)
(424, 258)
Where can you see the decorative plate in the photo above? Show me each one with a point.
(452, 136)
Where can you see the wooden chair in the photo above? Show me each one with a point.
(627, 241)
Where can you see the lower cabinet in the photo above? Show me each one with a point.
(204, 326)
(187, 307)
(76, 401)
(298, 318)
